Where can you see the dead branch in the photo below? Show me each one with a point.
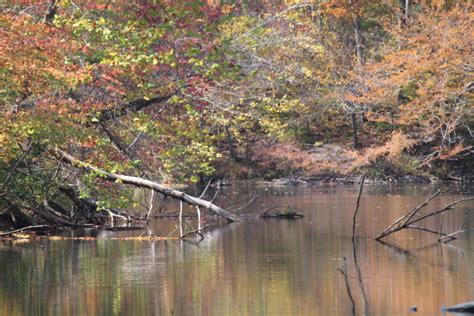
(143, 183)
(357, 208)
(407, 220)
(396, 225)
(450, 237)
(438, 233)
(23, 229)
(444, 209)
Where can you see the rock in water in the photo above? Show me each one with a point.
(460, 308)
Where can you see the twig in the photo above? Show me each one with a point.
(244, 205)
(426, 230)
(451, 237)
(196, 231)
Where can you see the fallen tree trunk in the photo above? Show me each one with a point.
(143, 183)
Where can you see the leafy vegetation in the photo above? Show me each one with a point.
(180, 91)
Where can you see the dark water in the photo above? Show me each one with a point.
(258, 267)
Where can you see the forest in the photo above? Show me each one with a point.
(100, 97)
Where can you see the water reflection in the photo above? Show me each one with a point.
(263, 267)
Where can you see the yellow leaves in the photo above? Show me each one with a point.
(237, 26)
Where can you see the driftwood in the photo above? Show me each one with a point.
(290, 213)
(412, 219)
(143, 183)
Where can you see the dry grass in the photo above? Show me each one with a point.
(284, 159)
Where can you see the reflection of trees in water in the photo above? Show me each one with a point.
(256, 267)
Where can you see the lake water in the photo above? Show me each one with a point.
(257, 267)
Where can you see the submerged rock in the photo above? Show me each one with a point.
(461, 308)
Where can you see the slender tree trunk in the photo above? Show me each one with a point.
(356, 142)
(358, 41)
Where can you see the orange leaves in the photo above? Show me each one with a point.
(34, 57)
(423, 76)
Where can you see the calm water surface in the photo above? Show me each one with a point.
(258, 267)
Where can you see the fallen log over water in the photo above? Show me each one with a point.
(144, 183)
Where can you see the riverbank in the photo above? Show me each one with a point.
(289, 164)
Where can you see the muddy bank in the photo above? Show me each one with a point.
(352, 179)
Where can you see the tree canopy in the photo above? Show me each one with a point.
(180, 91)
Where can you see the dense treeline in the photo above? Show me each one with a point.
(180, 91)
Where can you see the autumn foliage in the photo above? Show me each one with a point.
(179, 91)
